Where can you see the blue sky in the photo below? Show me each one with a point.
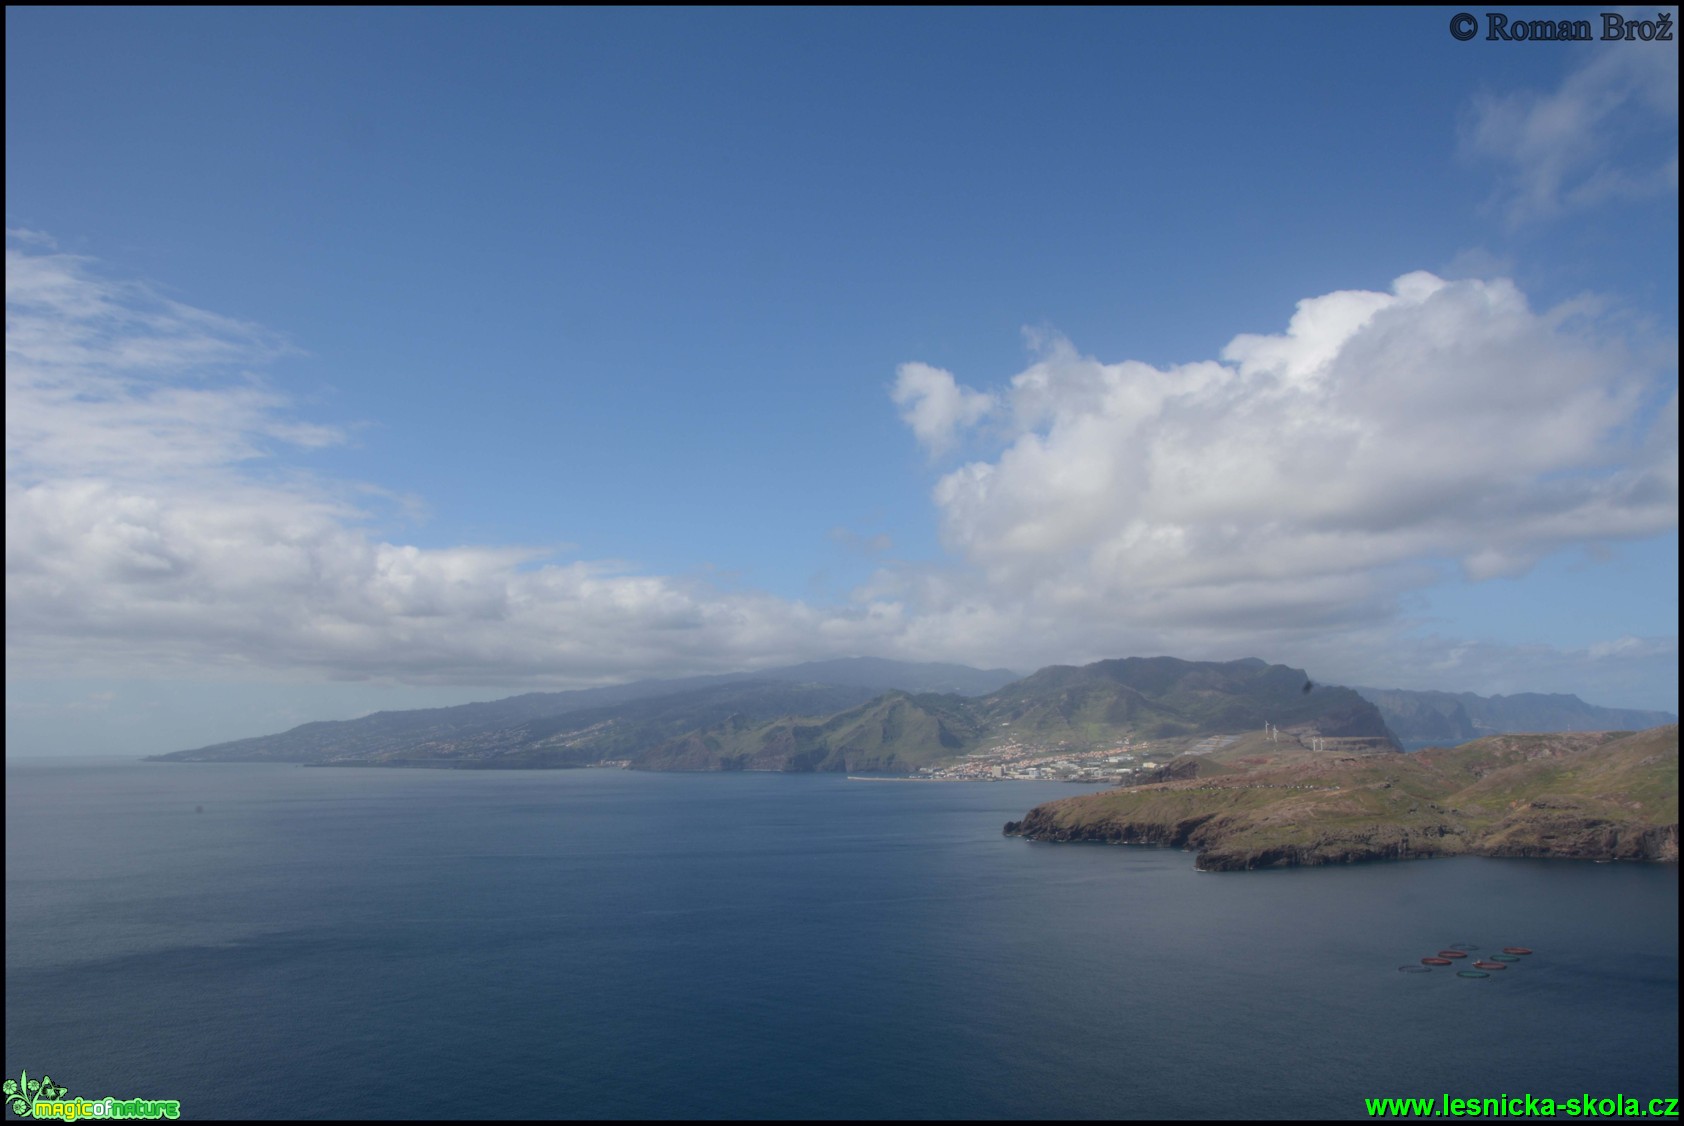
(383, 358)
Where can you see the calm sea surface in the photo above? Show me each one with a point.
(275, 941)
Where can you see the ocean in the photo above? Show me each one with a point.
(264, 941)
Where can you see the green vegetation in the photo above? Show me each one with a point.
(894, 733)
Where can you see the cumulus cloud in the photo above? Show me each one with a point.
(1609, 132)
(935, 406)
(1302, 482)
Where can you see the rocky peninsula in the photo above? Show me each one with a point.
(1571, 795)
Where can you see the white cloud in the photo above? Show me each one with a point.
(25, 235)
(151, 525)
(106, 379)
(103, 577)
(935, 406)
(1610, 132)
(1306, 480)
(1276, 501)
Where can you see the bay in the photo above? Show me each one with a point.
(264, 941)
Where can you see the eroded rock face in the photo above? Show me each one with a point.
(1376, 842)
(1223, 848)
(1040, 825)
(1543, 833)
(1662, 843)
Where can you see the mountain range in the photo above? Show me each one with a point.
(869, 714)
(856, 715)
(1448, 718)
(588, 725)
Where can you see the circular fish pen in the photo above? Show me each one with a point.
(1452, 954)
(1472, 973)
(1516, 950)
(1435, 961)
(1490, 966)
(1505, 957)
(1463, 946)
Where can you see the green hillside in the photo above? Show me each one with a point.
(558, 729)
(898, 732)
(1059, 709)
(1164, 697)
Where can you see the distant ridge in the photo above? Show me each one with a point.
(853, 714)
(527, 730)
(1449, 718)
(872, 714)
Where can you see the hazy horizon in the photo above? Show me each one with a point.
(161, 748)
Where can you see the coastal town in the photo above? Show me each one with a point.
(1013, 760)
(1120, 764)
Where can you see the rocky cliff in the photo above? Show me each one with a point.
(1589, 796)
